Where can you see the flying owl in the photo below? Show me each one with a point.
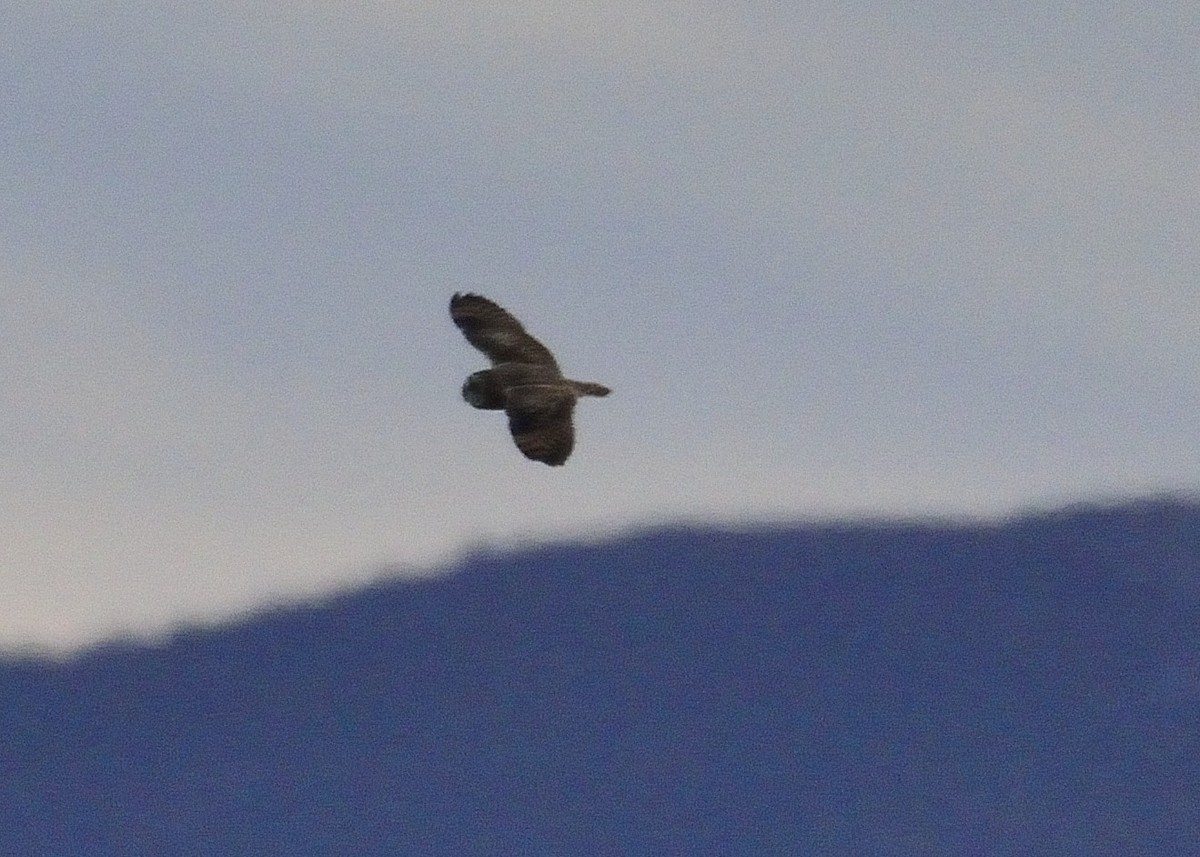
(524, 381)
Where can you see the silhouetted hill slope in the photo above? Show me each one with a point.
(1024, 688)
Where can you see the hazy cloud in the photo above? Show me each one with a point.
(919, 259)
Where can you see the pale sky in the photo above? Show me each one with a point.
(873, 260)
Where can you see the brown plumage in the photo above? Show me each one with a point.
(524, 381)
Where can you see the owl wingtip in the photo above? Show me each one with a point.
(464, 297)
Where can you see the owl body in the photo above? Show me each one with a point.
(488, 389)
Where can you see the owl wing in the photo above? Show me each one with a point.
(496, 333)
(539, 417)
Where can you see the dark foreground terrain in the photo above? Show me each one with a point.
(1030, 687)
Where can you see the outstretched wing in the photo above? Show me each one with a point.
(496, 333)
(539, 417)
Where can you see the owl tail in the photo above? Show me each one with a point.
(588, 388)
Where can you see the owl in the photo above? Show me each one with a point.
(524, 381)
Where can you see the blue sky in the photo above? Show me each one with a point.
(832, 261)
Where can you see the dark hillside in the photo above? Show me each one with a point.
(1024, 688)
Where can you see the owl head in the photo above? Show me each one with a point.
(483, 390)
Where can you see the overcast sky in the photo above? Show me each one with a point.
(853, 260)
